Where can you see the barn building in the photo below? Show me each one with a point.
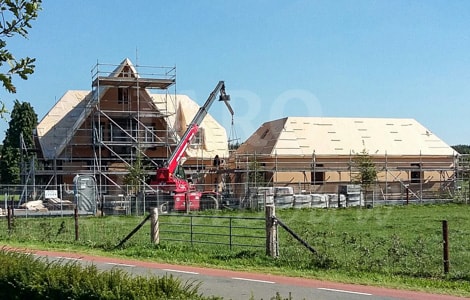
(320, 154)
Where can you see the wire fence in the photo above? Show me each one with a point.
(107, 232)
(36, 200)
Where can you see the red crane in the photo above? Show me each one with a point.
(171, 178)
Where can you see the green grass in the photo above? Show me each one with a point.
(398, 246)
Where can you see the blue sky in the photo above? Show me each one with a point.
(397, 59)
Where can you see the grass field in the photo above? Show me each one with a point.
(394, 246)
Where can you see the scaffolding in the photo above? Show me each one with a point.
(123, 118)
(398, 177)
(131, 124)
(462, 191)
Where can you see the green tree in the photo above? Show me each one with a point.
(255, 174)
(366, 170)
(16, 16)
(19, 135)
(462, 149)
(137, 174)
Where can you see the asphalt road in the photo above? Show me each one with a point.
(243, 285)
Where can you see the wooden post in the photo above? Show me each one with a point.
(75, 216)
(407, 195)
(445, 238)
(271, 231)
(9, 218)
(187, 202)
(154, 226)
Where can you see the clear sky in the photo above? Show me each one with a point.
(397, 59)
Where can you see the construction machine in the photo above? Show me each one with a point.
(170, 179)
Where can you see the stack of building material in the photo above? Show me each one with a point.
(319, 200)
(302, 201)
(59, 204)
(283, 197)
(35, 205)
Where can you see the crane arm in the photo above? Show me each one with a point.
(193, 127)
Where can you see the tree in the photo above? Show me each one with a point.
(16, 16)
(367, 172)
(137, 174)
(462, 149)
(255, 174)
(19, 135)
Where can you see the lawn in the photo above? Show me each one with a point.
(394, 246)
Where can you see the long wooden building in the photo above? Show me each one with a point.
(318, 154)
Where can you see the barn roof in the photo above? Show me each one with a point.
(181, 111)
(297, 136)
(59, 124)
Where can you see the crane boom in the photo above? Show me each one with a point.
(169, 179)
(193, 127)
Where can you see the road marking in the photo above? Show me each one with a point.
(120, 265)
(179, 271)
(68, 258)
(253, 280)
(344, 291)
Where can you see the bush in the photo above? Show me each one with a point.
(24, 277)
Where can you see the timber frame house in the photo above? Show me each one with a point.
(132, 113)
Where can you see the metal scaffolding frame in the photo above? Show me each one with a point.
(136, 135)
(437, 178)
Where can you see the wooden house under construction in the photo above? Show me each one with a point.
(132, 114)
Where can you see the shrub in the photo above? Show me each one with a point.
(24, 277)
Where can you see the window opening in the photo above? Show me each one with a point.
(149, 136)
(416, 175)
(123, 96)
(317, 175)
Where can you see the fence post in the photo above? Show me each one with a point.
(191, 228)
(9, 218)
(75, 216)
(187, 202)
(445, 238)
(154, 226)
(230, 232)
(271, 231)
